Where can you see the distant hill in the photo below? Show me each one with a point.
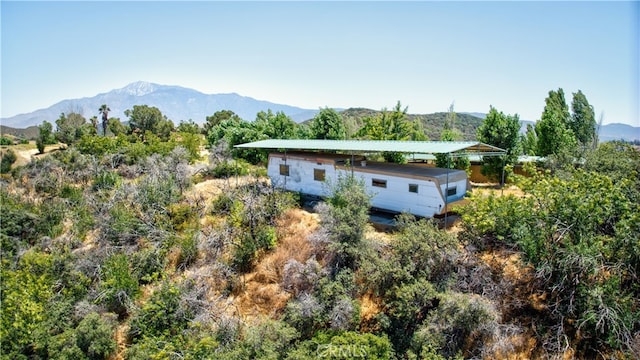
(30, 133)
(177, 103)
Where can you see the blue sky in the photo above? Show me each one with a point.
(337, 54)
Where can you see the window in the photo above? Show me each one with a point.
(318, 174)
(413, 188)
(452, 191)
(379, 183)
(284, 169)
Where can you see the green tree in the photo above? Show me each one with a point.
(218, 118)
(71, 127)
(189, 127)
(500, 130)
(276, 126)
(45, 136)
(327, 124)
(104, 111)
(118, 286)
(583, 121)
(389, 125)
(553, 131)
(529, 141)
(116, 127)
(143, 118)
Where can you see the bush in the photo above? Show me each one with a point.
(5, 141)
(106, 180)
(344, 345)
(118, 287)
(8, 158)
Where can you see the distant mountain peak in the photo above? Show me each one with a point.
(138, 88)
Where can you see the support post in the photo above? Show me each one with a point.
(446, 193)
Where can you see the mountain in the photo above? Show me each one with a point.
(608, 132)
(177, 103)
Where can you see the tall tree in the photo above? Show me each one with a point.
(500, 130)
(45, 136)
(104, 110)
(555, 137)
(583, 121)
(327, 124)
(529, 141)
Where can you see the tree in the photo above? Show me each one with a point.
(71, 127)
(328, 125)
(145, 118)
(104, 111)
(7, 160)
(450, 133)
(553, 131)
(45, 136)
(583, 121)
(500, 130)
(276, 126)
(189, 127)
(389, 125)
(529, 141)
(217, 118)
(116, 127)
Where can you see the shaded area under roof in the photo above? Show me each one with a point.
(416, 147)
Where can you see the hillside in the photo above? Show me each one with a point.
(117, 248)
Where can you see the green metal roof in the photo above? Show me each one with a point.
(418, 147)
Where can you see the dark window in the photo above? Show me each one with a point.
(413, 188)
(284, 170)
(379, 183)
(452, 191)
(318, 174)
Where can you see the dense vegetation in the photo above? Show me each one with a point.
(112, 247)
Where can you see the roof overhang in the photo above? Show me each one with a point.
(455, 148)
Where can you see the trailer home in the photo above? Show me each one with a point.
(420, 190)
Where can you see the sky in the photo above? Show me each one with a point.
(427, 55)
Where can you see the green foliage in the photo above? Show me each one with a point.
(148, 265)
(345, 220)
(344, 345)
(460, 322)
(162, 316)
(25, 293)
(8, 158)
(553, 131)
(71, 127)
(529, 141)
(188, 249)
(500, 130)
(189, 127)
(276, 126)
(143, 119)
(583, 120)
(218, 118)
(116, 128)
(106, 180)
(270, 339)
(389, 126)
(94, 336)
(327, 124)
(5, 141)
(226, 168)
(118, 286)
(122, 225)
(45, 136)
(575, 231)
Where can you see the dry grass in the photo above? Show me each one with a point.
(261, 293)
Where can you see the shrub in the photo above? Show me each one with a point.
(5, 141)
(118, 287)
(106, 180)
(94, 336)
(344, 345)
(8, 158)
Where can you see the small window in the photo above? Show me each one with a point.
(318, 174)
(379, 183)
(284, 169)
(413, 188)
(452, 191)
